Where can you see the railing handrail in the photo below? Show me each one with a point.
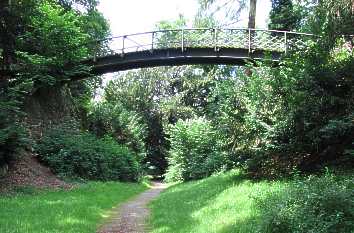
(202, 29)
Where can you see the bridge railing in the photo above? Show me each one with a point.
(216, 38)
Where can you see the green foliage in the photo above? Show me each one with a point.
(72, 154)
(81, 209)
(12, 134)
(316, 204)
(298, 115)
(126, 127)
(39, 39)
(88, 5)
(332, 18)
(51, 37)
(55, 34)
(283, 16)
(140, 93)
(194, 152)
(305, 117)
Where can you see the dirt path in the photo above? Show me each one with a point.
(131, 216)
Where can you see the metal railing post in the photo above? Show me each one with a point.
(152, 41)
(249, 41)
(95, 51)
(215, 40)
(182, 44)
(123, 45)
(285, 42)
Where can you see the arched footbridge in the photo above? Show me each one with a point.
(193, 46)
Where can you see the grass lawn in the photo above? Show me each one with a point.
(219, 204)
(76, 211)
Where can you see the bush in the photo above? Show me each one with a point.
(194, 152)
(73, 154)
(126, 127)
(317, 204)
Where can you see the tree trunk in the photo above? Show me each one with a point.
(251, 24)
(252, 14)
(7, 40)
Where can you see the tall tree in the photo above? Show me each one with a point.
(283, 15)
(39, 37)
(251, 24)
(7, 39)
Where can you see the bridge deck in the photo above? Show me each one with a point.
(175, 56)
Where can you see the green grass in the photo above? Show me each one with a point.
(219, 204)
(231, 203)
(77, 211)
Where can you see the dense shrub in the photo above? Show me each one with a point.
(126, 127)
(317, 204)
(194, 152)
(74, 154)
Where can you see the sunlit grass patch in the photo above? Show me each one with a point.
(77, 211)
(221, 204)
(231, 203)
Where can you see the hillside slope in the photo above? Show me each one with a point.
(27, 171)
